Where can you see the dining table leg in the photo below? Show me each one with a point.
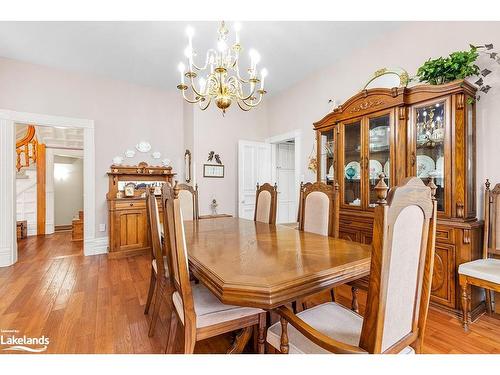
(240, 341)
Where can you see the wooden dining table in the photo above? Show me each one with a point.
(254, 264)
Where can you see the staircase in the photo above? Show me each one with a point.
(26, 177)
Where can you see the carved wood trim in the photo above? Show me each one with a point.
(366, 105)
(467, 236)
(460, 101)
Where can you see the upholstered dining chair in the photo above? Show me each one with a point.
(266, 201)
(188, 196)
(301, 193)
(320, 209)
(197, 310)
(159, 265)
(399, 287)
(318, 213)
(485, 272)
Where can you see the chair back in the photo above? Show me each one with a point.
(401, 268)
(189, 201)
(266, 199)
(491, 241)
(320, 209)
(178, 254)
(154, 229)
(301, 192)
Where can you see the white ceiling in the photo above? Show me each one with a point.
(148, 52)
(54, 137)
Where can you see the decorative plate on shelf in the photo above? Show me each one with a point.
(375, 168)
(130, 153)
(425, 164)
(387, 168)
(117, 160)
(143, 146)
(166, 162)
(156, 155)
(352, 170)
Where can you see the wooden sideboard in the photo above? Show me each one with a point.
(128, 234)
(423, 131)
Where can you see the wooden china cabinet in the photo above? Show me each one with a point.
(425, 131)
(128, 233)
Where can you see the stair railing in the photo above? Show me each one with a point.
(26, 149)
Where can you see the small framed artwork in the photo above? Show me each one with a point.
(213, 170)
(130, 189)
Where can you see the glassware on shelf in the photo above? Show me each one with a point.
(352, 167)
(430, 137)
(327, 156)
(379, 142)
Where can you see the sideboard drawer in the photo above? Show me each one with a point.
(445, 235)
(135, 204)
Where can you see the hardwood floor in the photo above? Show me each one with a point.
(95, 305)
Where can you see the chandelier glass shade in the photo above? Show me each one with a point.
(219, 78)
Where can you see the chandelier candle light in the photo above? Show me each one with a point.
(223, 82)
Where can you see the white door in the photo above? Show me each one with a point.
(285, 175)
(254, 166)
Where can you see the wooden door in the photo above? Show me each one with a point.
(131, 230)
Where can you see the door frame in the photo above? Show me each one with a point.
(8, 119)
(296, 135)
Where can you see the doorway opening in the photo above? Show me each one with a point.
(49, 182)
(8, 195)
(284, 170)
(276, 160)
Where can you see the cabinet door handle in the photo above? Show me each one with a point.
(131, 205)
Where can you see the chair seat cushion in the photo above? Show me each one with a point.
(165, 265)
(209, 309)
(484, 269)
(331, 319)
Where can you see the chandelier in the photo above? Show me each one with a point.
(219, 79)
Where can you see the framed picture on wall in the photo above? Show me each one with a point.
(213, 170)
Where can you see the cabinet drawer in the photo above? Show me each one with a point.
(136, 204)
(445, 235)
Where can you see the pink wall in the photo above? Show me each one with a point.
(307, 101)
(213, 132)
(123, 114)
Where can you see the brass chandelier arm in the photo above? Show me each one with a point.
(243, 108)
(205, 106)
(240, 94)
(193, 86)
(207, 59)
(255, 104)
(192, 101)
(242, 80)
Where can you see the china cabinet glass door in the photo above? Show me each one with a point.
(379, 153)
(352, 169)
(326, 156)
(430, 156)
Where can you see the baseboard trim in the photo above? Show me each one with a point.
(95, 246)
(6, 257)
